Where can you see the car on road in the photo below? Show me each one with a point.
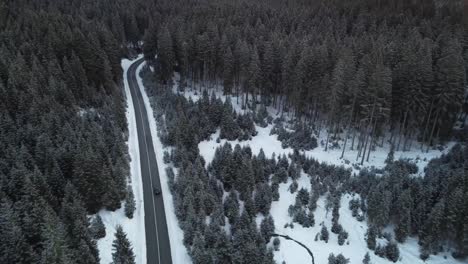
(156, 191)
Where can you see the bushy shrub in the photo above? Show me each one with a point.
(300, 138)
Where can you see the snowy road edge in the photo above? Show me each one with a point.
(178, 251)
(139, 236)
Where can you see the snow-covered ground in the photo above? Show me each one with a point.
(290, 252)
(357, 248)
(178, 250)
(135, 227)
(271, 144)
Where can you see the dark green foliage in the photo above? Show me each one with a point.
(302, 197)
(130, 204)
(199, 253)
(371, 236)
(293, 187)
(276, 243)
(301, 138)
(354, 206)
(338, 259)
(97, 229)
(342, 236)
(263, 198)
(324, 235)
(231, 207)
(63, 126)
(171, 178)
(122, 249)
(366, 259)
(267, 227)
(392, 252)
(166, 157)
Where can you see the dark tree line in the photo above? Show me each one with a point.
(356, 68)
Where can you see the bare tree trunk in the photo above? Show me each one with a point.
(352, 142)
(319, 127)
(371, 138)
(432, 130)
(402, 130)
(360, 139)
(360, 143)
(328, 136)
(383, 139)
(348, 126)
(427, 124)
(369, 126)
(410, 141)
(354, 135)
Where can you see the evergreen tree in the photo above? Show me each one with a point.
(199, 253)
(122, 249)
(97, 229)
(338, 259)
(371, 237)
(392, 252)
(366, 259)
(263, 198)
(165, 54)
(267, 227)
(130, 203)
(324, 234)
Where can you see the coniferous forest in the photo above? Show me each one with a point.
(364, 72)
(62, 124)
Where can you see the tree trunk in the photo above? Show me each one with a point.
(369, 126)
(432, 130)
(402, 130)
(371, 138)
(427, 124)
(348, 126)
(410, 141)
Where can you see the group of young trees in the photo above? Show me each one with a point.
(355, 68)
(198, 190)
(432, 207)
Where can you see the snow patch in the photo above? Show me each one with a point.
(357, 248)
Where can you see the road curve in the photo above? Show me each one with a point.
(158, 248)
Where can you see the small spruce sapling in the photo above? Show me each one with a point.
(276, 243)
(130, 204)
(98, 230)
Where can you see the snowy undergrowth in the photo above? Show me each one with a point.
(135, 227)
(178, 250)
(290, 252)
(271, 144)
(357, 248)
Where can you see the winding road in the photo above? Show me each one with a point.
(158, 248)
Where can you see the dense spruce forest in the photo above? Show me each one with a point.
(366, 67)
(62, 124)
(364, 72)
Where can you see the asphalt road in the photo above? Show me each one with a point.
(158, 248)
